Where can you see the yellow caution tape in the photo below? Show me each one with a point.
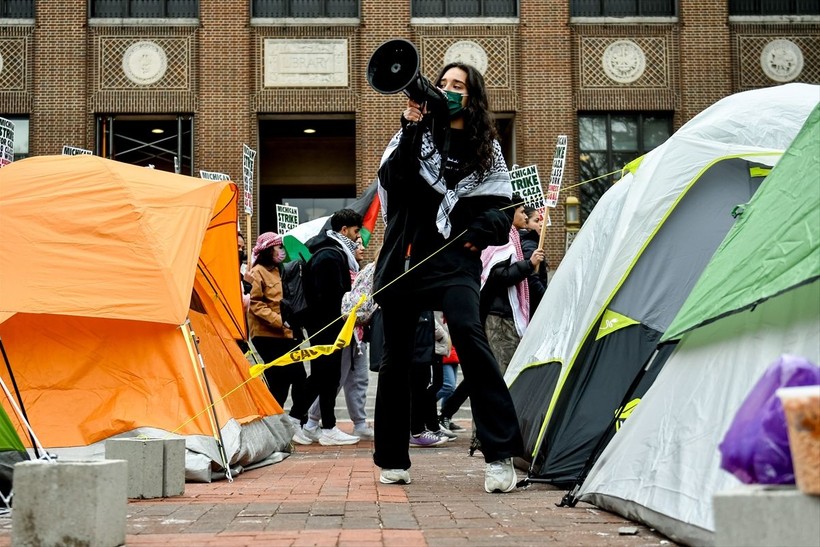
(298, 355)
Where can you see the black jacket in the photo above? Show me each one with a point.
(537, 281)
(412, 206)
(495, 298)
(328, 279)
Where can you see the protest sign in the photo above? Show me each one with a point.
(557, 174)
(527, 184)
(75, 151)
(6, 142)
(213, 175)
(287, 218)
(248, 158)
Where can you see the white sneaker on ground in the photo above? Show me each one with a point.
(445, 433)
(394, 476)
(364, 432)
(499, 476)
(305, 435)
(336, 437)
(312, 433)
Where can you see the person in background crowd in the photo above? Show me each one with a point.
(425, 380)
(505, 296)
(244, 274)
(266, 330)
(443, 184)
(354, 375)
(530, 238)
(326, 281)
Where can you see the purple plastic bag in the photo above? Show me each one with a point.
(755, 449)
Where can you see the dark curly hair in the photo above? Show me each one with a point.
(478, 121)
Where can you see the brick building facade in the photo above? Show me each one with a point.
(214, 74)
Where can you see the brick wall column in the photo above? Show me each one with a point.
(224, 120)
(59, 113)
(546, 104)
(377, 118)
(705, 56)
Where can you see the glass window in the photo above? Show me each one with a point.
(774, 7)
(17, 9)
(304, 8)
(607, 142)
(622, 8)
(151, 9)
(20, 136)
(465, 8)
(162, 142)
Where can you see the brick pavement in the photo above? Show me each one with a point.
(330, 496)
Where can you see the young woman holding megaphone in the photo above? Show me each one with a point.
(445, 192)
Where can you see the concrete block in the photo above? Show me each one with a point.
(69, 503)
(173, 467)
(145, 464)
(758, 515)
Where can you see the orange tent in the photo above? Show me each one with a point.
(105, 269)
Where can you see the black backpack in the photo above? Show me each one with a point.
(294, 304)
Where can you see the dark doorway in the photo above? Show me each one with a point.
(308, 163)
(164, 142)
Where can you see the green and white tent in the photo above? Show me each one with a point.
(632, 266)
(758, 298)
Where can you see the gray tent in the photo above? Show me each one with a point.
(598, 326)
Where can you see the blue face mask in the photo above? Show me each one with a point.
(454, 100)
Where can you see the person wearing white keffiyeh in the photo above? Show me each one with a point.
(444, 188)
(326, 281)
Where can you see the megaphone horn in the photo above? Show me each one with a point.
(394, 67)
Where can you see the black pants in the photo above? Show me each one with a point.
(323, 382)
(493, 409)
(281, 379)
(426, 380)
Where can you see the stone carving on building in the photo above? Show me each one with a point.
(306, 63)
(623, 61)
(144, 63)
(469, 53)
(781, 60)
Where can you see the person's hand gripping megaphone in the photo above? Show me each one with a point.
(414, 113)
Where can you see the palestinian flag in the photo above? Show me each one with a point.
(371, 216)
(367, 205)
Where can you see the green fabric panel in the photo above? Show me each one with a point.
(9, 440)
(612, 321)
(774, 245)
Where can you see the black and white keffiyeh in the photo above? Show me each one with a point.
(495, 182)
(349, 246)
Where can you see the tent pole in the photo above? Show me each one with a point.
(219, 439)
(570, 499)
(21, 411)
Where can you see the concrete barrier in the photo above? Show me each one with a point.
(173, 467)
(757, 516)
(69, 503)
(156, 467)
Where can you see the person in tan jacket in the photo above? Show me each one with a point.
(266, 330)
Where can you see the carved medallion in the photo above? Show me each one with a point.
(144, 63)
(623, 61)
(781, 60)
(469, 53)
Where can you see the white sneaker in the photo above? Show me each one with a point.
(445, 433)
(336, 437)
(394, 476)
(306, 435)
(363, 432)
(499, 476)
